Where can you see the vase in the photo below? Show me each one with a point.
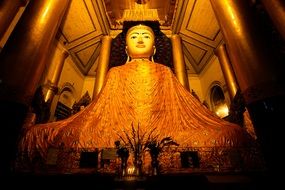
(154, 165)
(138, 167)
(124, 166)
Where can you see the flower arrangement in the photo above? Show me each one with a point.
(140, 142)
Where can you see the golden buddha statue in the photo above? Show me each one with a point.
(140, 92)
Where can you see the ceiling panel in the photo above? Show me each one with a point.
(78, 22)
(200, 23)
(200, 33)
(81, 32)
(209, 27)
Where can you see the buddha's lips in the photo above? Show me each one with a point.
(140, 46)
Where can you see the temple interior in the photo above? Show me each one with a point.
(206, 108)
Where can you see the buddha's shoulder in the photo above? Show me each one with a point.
(127, 66)
(162, 67)
(118, 70)
(115, 69)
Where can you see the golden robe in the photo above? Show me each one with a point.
(140, 93)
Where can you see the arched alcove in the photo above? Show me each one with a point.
(218, 101)
(65, 102)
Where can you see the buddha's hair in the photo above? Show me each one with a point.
(140, 26)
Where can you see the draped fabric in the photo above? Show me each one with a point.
(138, 93)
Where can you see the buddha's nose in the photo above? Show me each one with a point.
(140, 40)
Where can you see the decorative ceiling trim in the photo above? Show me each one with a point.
(178, 14)
(85, 39)
(200, 52)
(91, 57)
(203, 56)
(190, 59)
(100, 11)
(189, 68)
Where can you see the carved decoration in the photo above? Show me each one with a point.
(83, 102)
(237, 109)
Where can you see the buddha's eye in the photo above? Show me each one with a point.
(133, 37)
(147, 37)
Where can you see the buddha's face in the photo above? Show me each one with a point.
(140, 42)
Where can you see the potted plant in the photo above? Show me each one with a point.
(137, 142)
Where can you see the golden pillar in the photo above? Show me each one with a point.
(24, 56)
(8, 10)
(276, 10)
(227, 70)
(53, 74)
(258, 74)
(231, 82)
(178, 60)
(252, 63)
(22, 62)
(102, 65)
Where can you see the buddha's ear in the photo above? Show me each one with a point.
(128, 57)
(154, 50)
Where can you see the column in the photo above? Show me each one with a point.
(27, 49)
(178, 61)
(50, 86)
(276, 10)
(232, 85)
(103, 64)
(8, 10)
(227, 70)
(257, 73)
(23, 60)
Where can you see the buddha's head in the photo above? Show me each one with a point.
(140, 42)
